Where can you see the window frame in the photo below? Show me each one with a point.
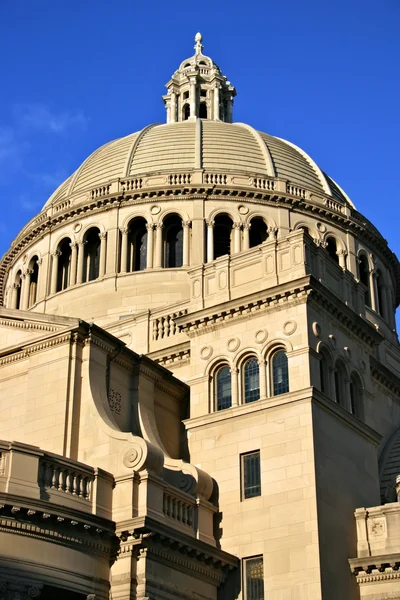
(243, 457)
(245, 562)
(272, 357)
(217, 370)
(243, 365)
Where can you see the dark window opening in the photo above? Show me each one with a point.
(222, 235)
(137, 245)
(258, 232)
(173, 242)
(379, 288)
(203, 110)
(203, 93)
(254, 578)
(324, 373)
(251, 380)
(34, 267)
(364, 278)
(280, 373)
(64, 263)
(18, 286)
(186, 112)
(356, 404)
(251, 475)
(91, 257)
(185, 95)
(331, 248)
(340, 384)
(223, 388)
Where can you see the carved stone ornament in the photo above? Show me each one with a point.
(143, 455)
(243, 209)
(233, 344)
(332, 340)
(289, 327)
(155, 209)
(261, 336)
(206, 352)
(77, 227)
(376, 527)
(316, 327)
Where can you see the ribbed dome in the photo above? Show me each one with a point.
(203, 144)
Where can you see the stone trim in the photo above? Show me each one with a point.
(34, 348)
(385, 377)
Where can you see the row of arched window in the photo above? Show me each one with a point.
(256, 380)
(341, 387)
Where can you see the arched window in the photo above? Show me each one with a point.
(258, 232)
(33, 282)
(251, 380)
(91, 257)
(222, 235)
(137, 245)
(340, 385)
(280, 373)
(173, 242)
(17, 288)
(203, 110)
(186, 112)
(64, 264)
(331, 248)
(381, 294)
(356, 399)
(324, 372)
(223, 388)
(363, 270)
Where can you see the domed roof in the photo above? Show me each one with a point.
(214, 146)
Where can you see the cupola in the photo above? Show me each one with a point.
(198, 90)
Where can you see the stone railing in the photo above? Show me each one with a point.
(165, 326)
(215, 178)
(178, 509)
(31, 473)
(99, 192)
(263, 184)
(179, 179)
(295, 190)
(333, 205)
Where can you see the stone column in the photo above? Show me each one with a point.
(54, 271)
(172, 109)
(150, 243)
(235, 386)
(246, 236)
(14, 294)
(210, 241)
(124, 250)
(186, 236)
(216, 102)
(103, 253)
(263, 378)
(229, 112)
(373, 290)
(342, 259)
(193, 97)
(236, 237)
(26, 282)
(81, 252)
(74, 258)
(158, 257)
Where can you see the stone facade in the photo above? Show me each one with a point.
(199, 373)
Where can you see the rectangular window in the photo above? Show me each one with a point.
(251, 475)
(253, 578)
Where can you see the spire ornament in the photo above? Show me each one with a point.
(198, 46)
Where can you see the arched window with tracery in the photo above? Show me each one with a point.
(223, 388)
(91, 257)
(137, 245)
(222, 235)
(279, 373)
(17, 289)
(363, 270)
(251, 380)
(332, 249)
(258, 231)
(356, 396)
(33, 281)
(173, 242)
(64, 264)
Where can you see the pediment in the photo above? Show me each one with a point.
(18, 327)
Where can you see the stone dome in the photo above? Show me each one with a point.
(214, 147)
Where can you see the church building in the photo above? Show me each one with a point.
(199, 373)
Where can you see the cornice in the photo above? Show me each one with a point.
(385, 377)
(15, 355)
(369, 569)
(14, 324)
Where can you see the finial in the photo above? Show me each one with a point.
(198, 38)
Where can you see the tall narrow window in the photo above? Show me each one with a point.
(186, 112)
(356, 402)
(203, 110)
(34, 267)
(223, 388)
(251, 380)
(64, 264)
(251, 475)
(17, 287)
(253, 578)
(222, 235)
(137, 245)
(363, 269)
(258, 232)
(280, 373)
(331, 247)
(173, 242)
(340, 384)
(324, 373)
(381, 294)
(91, 259)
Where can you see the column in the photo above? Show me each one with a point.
(26, 282)
(186, 236)
(150, 243)
(74, 258)
(236, 237)
(158, 257)
(374, 290)
(124, 250)
(172, 110)
(210, 241)
(235, 386)
(246, 236)
(54, 271)
(79, 273)
(14, 295)
(263, 378)
(342, 259)
(103, 253)
(216, 102)
(192, 97)
(229, 106)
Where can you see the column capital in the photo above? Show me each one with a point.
(103, 235)
(247, 226)
(16, 286)
(186, 223)
(150, 226)
(56, 253)
(159, 225)
(236, 225)
(234, 370)
(124, 230)
(210, 222)
(73, 245)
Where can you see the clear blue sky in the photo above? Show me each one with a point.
(78, 73)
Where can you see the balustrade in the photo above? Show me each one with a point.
(56, 476)
(178, 509)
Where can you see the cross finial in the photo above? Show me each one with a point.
(198, 47)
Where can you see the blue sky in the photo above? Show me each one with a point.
(76, 74)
